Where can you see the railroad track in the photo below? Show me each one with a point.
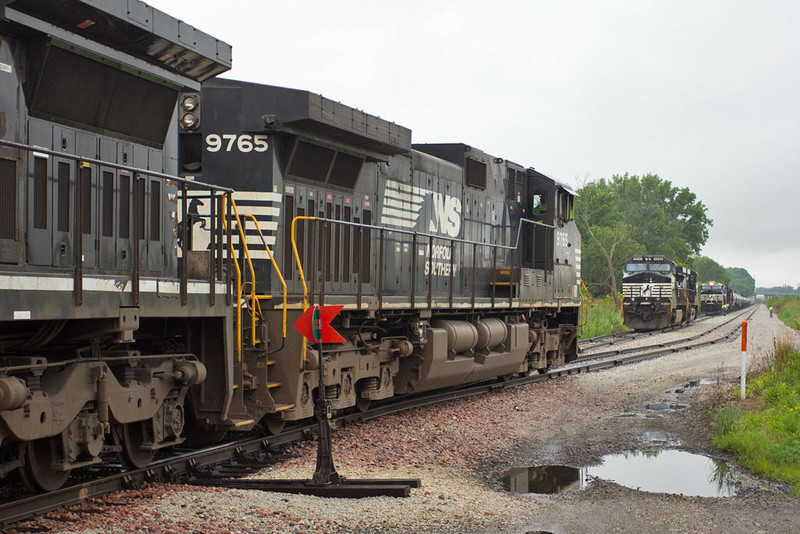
(622, 337)
(589, 353)
(247, 455)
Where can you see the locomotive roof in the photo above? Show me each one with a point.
(132, 27)
(295, 110)
(459, 152)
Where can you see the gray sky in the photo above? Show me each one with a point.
(704, 94)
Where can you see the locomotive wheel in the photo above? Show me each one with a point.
(363, 404)
(274, 426)
(37, 472)
(131, 436)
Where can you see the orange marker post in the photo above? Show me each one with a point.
(744, 358)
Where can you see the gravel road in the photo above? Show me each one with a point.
(459, 448)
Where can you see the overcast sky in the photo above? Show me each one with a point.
(706, 94)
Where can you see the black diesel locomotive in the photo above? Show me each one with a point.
(144, 302)
(657, 293)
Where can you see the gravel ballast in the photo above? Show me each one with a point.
(458, 449)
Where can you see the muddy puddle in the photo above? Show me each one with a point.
(548, 479)
(660, 471)
(668, 471)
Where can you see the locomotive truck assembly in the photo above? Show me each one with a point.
(161, 230)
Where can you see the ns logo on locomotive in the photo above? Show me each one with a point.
(160, 227)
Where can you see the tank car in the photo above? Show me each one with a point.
(657, 293)
(452, 265)
(740, 301)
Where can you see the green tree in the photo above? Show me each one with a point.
(629, 215)
(665, 219)
(741, 281)
(708, 270)
(606, 238)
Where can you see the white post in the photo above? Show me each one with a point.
(744, 358)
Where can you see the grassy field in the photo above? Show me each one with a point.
(602, 318)
(763, 432)
(788, 309)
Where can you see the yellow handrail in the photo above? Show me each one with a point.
(302, 275)
(243, 243)
(239, 287)
(277, 270)
(584, 309)
(238, 278)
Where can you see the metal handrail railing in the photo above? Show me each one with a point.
(238, 349)
(278, 271)
(584, 309)
(302, 275)
(382, 230)
(253, 297)
(118, 166)
(243, 243)
(76, 207)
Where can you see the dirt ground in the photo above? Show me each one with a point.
(592, 427)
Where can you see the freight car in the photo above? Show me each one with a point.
(657, 293)
(145, 303)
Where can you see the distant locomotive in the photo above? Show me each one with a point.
(713, 296)
(140, 301)
(657, 293)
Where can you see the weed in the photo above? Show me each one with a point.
(602, 317)
(727, 418)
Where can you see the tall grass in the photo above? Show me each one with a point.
(788, 309)
(602, 318)
(765, 436)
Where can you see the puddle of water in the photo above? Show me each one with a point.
(668, 471)
(660, 406)
(550, 479)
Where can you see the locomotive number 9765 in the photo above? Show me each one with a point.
(232, 142)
